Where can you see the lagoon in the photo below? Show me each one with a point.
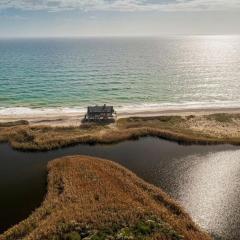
(203, 179)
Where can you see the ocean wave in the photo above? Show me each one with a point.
(121, 109)
(40, 111)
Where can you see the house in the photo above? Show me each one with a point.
(100, 113)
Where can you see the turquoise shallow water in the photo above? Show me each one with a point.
(131, 73)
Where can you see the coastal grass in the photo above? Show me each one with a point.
(13, 124)
(94, 199)
(223, 117)
(207, 129)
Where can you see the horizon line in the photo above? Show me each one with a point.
(112, 36)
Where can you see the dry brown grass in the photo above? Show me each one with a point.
(210, 129)
(13, 124)
(99, 199)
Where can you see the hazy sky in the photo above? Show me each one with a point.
(33, 18)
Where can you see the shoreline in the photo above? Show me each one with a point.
(74, 119)
(219, 127)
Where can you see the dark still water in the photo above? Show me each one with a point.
(204, 179)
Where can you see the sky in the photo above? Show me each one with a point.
(77, 18)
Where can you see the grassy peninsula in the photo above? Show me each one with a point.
(95, 199)
(192, 129)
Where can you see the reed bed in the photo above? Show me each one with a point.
(209, 129)
(94, 199)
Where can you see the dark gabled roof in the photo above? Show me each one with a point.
(100, 109)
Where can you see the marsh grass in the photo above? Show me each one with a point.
(95, 199)
(13, 124)
(223, 117)
(175, 128)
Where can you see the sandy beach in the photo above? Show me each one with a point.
(215, 126)
(66, 119)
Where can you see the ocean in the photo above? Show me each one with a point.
(133, 74)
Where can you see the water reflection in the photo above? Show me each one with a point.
(210, 190)
(204, 179)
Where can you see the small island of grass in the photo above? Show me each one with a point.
(95, 199)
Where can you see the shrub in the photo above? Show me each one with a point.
(72, 236)
(142, 228)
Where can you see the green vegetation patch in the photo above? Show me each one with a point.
(143, 230)
(222, 117)
(155, 122)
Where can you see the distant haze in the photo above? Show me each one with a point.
(66, 18)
